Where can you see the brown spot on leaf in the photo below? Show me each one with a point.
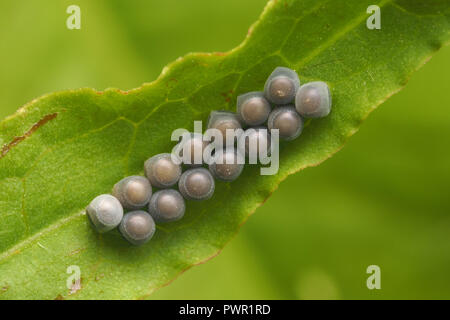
(4, 289)
(7, 147)
(99, 276)
(172, 81)
(227, 95)
(76, 286)
(77, 251)
(59, 297)
(123, 91)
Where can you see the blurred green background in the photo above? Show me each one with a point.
(384, 199)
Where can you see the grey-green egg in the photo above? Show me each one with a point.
(227, 164)
(192, 147)
(313, 100)
(281, 86)
(255, 143)
(133, 192)
(224, 121)
(287, 121)
(196, 184)
(105, 212)
(167, 205)
(253, 108)
(137, 227)
(162, 171)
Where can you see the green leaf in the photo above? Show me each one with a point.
(65, 148)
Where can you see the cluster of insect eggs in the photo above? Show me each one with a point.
(282, 105)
